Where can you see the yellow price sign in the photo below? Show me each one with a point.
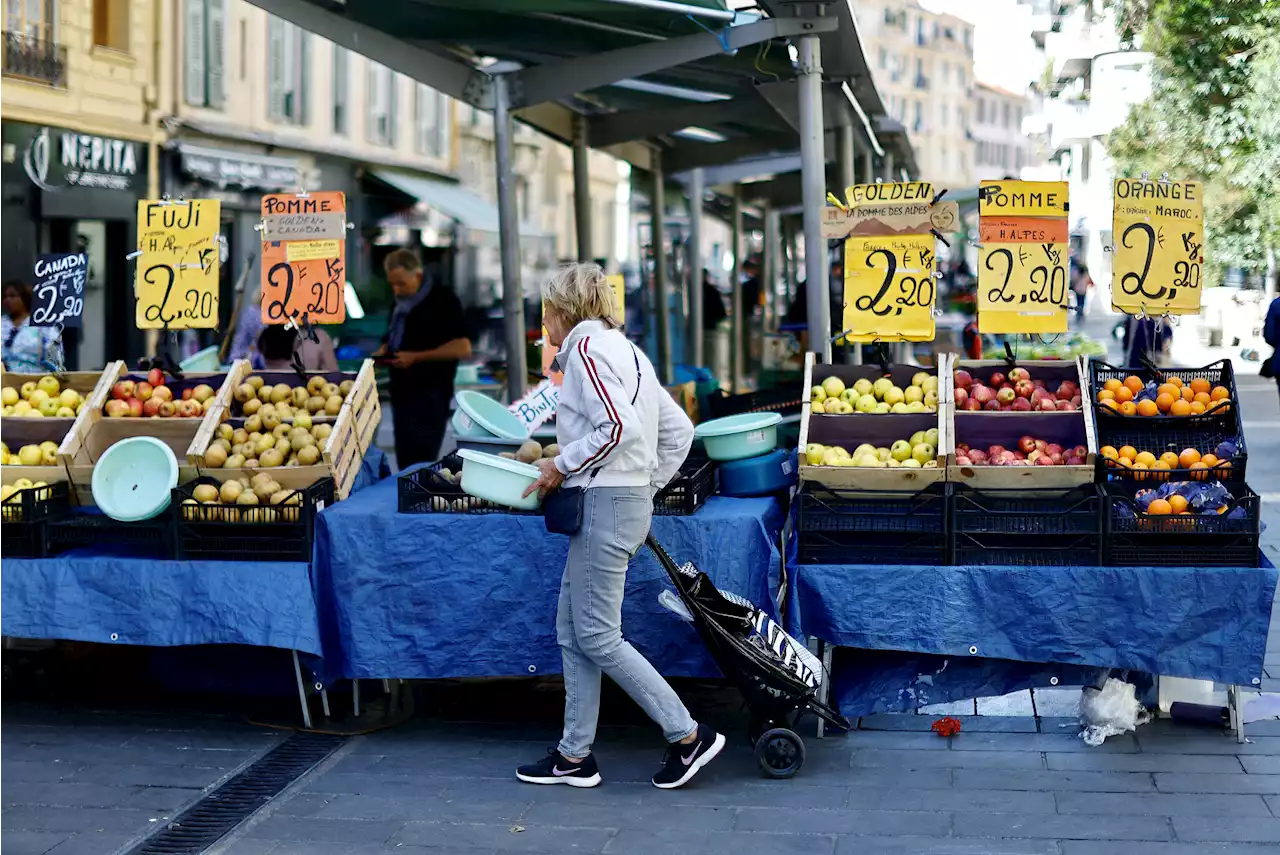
(176, 285)
(889, 289)
(1022, 199)
(1022, 287)
(1158, 229)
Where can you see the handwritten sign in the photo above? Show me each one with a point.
(891, 219)
(894, 193)
(889, 288)
(1022, 258)
(549, 350)
(1158, 229)
(57, 300)
(1022, 199)
(538, 404)
(177, 275)
(304, 268)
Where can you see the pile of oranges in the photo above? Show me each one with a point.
(1144, 464)
(1172, 398)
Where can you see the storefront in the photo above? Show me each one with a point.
(66, 191)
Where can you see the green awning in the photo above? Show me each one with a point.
(453, 200)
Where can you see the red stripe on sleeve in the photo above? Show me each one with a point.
(615, 436)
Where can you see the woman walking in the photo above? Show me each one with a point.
(622, 438)
(27, 349)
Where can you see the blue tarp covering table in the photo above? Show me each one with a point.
(933, 634)
(431, 596)
(115, 599)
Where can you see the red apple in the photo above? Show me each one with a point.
(1017, 455)
(1067, 407)
(972, 406)
(963, 379)
(1080, 451)
(151, 406)
(1073, 461)
(168, 409)
(1035, 455)
(155, 377)
(1023, 388)
(1039, 384)
(1006, 395)
(1016, 374)
(1047, 405)
(984, 395)
(1021, 405)
(1076, 399)
(186, 394)
(1057, 458)
(1027, 444)
(143, 391)
(116, 408)
(189, 408)
(1053, 448)
(962, 446)
(1064, 392)
(962, 395)
(135, 408)
(162, 393)
(1044, 460)
(992, 406)
(123, 390)
(962, 460)
(995, 450)
(977, 455)
(1041, 445)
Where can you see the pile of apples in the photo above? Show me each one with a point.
(265, 442)
(318, 397)
(1014, 392)
(44, 454)
(920, 451)
(882, 396)
(43, 398)
(14, 514)
(153, 399)
(273, 502)
(1029, 452)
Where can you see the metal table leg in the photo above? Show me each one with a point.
(324, 702)
(824, 689)
(1236, 712)
(355, 697)
(302, 692)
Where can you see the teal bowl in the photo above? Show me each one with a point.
(498, 480)
(482, 417)
(739, 437)
(132, 480)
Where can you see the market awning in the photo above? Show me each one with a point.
(453, 200)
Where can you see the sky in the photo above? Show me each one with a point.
(1003, 52)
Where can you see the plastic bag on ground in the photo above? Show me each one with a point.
(1110, 711)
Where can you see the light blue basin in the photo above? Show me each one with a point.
(480, 416)
(739, 437)
(132, 479)
(498, 480)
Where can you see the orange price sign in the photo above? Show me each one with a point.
(304, 270)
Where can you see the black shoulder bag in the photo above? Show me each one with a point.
(562, 508)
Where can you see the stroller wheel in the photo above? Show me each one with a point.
(780, 753)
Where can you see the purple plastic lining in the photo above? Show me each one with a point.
(850, 374)
(850, 431)
(983, 430)
(1052, 375)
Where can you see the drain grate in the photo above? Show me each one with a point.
(205, 822)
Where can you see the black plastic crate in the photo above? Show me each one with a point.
(688, 491)
(1027, 527)
(785, 400)
(873, 527)
(1204, 436)
(426, 490)
(265, 532)
(1218, 373)
(151, 538)
(1136, 539)
(25, 514)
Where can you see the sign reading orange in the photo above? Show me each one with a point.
(304, 269)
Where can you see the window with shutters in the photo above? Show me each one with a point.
(205, 50)
(431, 127)
(111, 24)
(341, 86)
(381, 125)
(288, 48)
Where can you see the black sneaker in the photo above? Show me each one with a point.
(682, 762)
(554, 769)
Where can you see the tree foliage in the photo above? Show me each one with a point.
(1213, 115)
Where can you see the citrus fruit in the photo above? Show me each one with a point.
(1199, 472)
(1109, 452)
(1106, 395)
(1162, 404)
(1210, 460)
(1201, 398)
(1178, 503)
(1197, 408)
(1126, 462)
(1128, 408)
(1219, 407)
(1169, 459)
(1162, 467)
(1146, 458)
(1128, 451)
(1168, 389)
(1188, 394)
(1180, 408)
(1187, 457)
(1139, 471)
(1124, 393)
(1159, 507)
(1219, 393)
(1113, 384)
(1133, 383)
(1199, 385)
(1176, 381)
(1114, 406)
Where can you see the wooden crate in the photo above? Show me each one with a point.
(93, 385)
(853, 430)
(1067, 429)
(94, 433)
(353, 432)
(84, 382)
(362, 383)
(1053, 371)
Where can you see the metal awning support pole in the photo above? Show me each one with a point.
(582, 188)
(694, 249)
(888, 167)
(662, 309)
(769, 269)
(845, 139)
(812, 178)
(509, 242)
(735, 295)
(868, 166)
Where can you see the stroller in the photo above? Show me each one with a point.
(778, 677)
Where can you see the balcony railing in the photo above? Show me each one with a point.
(35, 59)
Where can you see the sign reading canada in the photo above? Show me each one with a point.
(304, 246)
(1158, 229)
(1022, 259)
(177, 274)
(57, 299)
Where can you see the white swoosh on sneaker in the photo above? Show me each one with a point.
(558, 772)
(692, 754)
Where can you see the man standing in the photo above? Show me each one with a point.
(425, 340)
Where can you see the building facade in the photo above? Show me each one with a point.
(80, 124)
(1001, 149)
(922, 62)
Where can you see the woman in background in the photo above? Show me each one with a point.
(27, 349)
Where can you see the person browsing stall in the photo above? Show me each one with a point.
(622, 438)
(27, 349)
(276, 343)
(424, 343)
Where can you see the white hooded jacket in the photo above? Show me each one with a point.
(614, 417)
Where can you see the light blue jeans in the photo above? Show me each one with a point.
(615, 522)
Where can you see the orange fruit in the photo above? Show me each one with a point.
(1169, 459)
(1178, 503)
(1123, 394)
(1112, 385)
(1106, 395)
(1199, 385)
(1133, 383)
(1163, 403)
(1159, 507)
(1175, 381)
(1219, 393)
(1202, 398)
(1128, 451)
(1222, 468)
(1159, 467)
(1187, 457)
(1210, 460)
(1168, 389)
(1197, 408)
(1146, 458)
(1126, 462)
(1219, 407)
(1139, 471)
(1199, 472)
(1180, 408)
(1188, 394)
(1109, 452)
(1128, 408)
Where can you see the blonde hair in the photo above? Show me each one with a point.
(580, 292)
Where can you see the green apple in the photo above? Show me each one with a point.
(898, 407)
(923, 452)
(863, 386)
(49, 385)
(865, 448)
(813, 453)
(818, 394)
(49, 407)
(930, 384)
(867, 461)
(917, 438)
(914, 407)
(912, 394)
(893, 395)
(931, 437)
(833, 386)
(881, 387)
(892, 464)
(817, 407)
(911, 463)
(841, 451)
(882, 454)
(900, 450)
(919, 377)
(30, 455)
(830, 458)
(881, 408)
(846, 408)
(867, 404)
(931, 399)
(932, 464)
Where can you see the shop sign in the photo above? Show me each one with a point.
(242, 170)
(56, 158)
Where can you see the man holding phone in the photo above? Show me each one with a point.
(425, 340)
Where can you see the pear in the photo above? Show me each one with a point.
(235, 461)
(230, 491)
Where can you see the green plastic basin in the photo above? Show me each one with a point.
(480, 416)
(739, 437)
(132, 479)
(498, 480)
